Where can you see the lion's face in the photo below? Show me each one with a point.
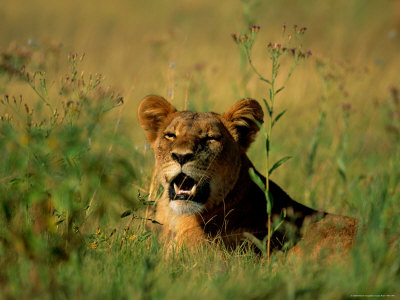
(197, 161)
(198, 154)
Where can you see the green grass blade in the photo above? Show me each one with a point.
(279, 90)
(278, 163)
(268, 107)
(270, 201)
(256, 178)
(262, 128)
(278, 117)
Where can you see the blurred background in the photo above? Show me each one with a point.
(184, 48)
(75, 168)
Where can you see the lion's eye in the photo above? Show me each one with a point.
(170, 136)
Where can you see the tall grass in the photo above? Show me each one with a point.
(62, 165)
(276, 53)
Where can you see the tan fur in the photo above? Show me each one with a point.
(201, 163)
(331, 236)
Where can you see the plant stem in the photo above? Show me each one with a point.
(269, 239)
(254, 68)
(275, 52)
(274, 71)
(41, 97)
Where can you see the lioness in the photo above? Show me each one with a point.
(201, 163)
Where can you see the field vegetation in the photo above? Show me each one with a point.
(76, 170)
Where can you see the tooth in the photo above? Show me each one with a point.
(176, 188)
(193, 190)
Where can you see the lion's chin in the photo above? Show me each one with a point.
(186, 207)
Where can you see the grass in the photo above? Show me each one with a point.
(75, 169)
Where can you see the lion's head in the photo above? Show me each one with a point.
(198, 155)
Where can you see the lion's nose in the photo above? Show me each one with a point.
(182, 158)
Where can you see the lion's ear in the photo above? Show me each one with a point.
(242, 119)
(152, 112)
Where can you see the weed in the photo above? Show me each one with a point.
(276, 52)
(56, 176)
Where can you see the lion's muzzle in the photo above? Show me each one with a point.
(183, 187)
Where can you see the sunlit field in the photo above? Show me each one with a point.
(76, 169)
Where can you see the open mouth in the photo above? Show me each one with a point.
(184, 187)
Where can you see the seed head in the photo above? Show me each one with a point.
(274, 46)
(235, 37)
(255, 28)
(346, 107)
(395, 95)
(244, 38)
(240, 38)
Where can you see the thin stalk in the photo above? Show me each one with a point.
(269, 239)
(275, 51)
(254, 68)
(269, 202)
(42, 98)
(272, 92)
